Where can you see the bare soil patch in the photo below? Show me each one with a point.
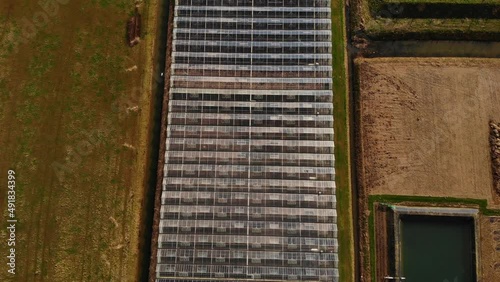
(422, 129)
(424, 126)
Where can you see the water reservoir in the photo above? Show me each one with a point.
(437, 248)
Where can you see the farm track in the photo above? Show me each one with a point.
(41, 211)
(47, 258)
(381, 240)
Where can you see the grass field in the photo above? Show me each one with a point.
(367, 16)
(78, 153)
(342, 146)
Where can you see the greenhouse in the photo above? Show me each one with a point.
(248, 188)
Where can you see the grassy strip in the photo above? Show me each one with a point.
(151, 18)
(446, 1)
(342, 157)
(395, 199)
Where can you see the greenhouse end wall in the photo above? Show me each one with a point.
(248, 187)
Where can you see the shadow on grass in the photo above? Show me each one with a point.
(147, 215)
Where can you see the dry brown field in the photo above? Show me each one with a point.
(75, 127)
(423, 126)
(422, 130)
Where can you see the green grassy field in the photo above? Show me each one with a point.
(66, 131)
(342, 146)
